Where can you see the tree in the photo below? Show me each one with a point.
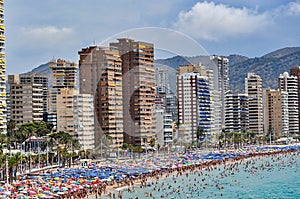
(11, 132)
(65, 143)
(13, 162)
(125, 146)
(29, 129)
(152, 142)
(200, 135)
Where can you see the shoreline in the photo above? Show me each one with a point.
(94, 187)
(151, 179)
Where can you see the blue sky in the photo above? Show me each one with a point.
(38, 31)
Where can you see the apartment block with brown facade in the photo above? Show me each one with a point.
(276, 113)
(100, 74)
(138, 89)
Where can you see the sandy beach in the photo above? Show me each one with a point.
(113, 179)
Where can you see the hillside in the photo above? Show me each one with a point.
(268, 66)
(43, 68)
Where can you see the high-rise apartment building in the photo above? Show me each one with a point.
(220, 66)
(194, 105)
(2, 71)
(276, 113)
(63, 75)
(236, 113)
(64, 111)
(138, 89)
(215, 98)
(164, 128)
(162, 81)
(28, 97)
(100, 74)
(253, 88)
(75, 115)
(289, 84)
(163, 91)
(295, 71)
(170, 104)
(84, 120)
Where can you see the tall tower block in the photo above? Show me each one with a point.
(2, 71)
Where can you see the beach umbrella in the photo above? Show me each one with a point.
(7, 192)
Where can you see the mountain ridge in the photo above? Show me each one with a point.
(268, 66)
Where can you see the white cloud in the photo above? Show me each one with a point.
(49, 35)
(210, 21)
(292, 9)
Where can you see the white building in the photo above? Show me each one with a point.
(194, 105)
(164, 127)
(161, 81)
(290, 85)
(220, 66)
(84, 120)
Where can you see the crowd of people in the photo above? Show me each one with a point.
(183, 181)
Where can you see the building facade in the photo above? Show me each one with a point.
(138, 74)
(276, 113)
(84, 120)
(28, 97)
(253, 88)
(236, 113)
(220, 66)
(63, 75)
(75, 115)
(289, 84)
(65, 110)
(2, 71)
(295, 71)
(215, 97)
(194, 105)
(100, 74)
(162, 81)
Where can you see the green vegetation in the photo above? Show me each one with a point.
(59, 146)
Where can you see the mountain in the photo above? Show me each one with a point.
(282, 52)
(268, 66)
(234, 59)
(43, 68)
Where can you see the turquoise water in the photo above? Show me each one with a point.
(276, 176)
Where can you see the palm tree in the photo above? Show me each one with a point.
(11, 132)
(13, 162)
(66, 142)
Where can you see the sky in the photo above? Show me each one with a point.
(40, 31)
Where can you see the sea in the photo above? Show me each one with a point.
(276, 176)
